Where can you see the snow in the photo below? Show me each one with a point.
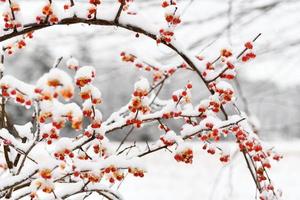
(142, 84)
(58, 81)
(139, 20)
(2, 67)
(99, 164)
(11, 180)
(98, 115)
(207, 178)
(85, 72)
(6, 136)
(72, 63)
(25, 130)
(223, 85)
(14, 83)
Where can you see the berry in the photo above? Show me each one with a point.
(175, 98)
(249, 45)
(189, 86)
(165, 4)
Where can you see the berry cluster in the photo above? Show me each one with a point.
(112, 173)
(140, 100)
(185, 156)
(225, 158)
(136, 172)
(183, 95)
(41, 184)
(136, 122)
(92, 11)
(54, 84)
(211, 149)
(225, 62)
(213, 134)
(8, 90)
(99, 149)
(85, 75)
(50, 135)
(159, 73)
(46, 173)
(48, 15)
(127, 57)
(249, 53)
(126, 4)
(171, 114)
(169, 138)
(93, 177)
(172, 18)
(165, 35)
(63, 153)
(225, 92)
(259, 155)
(10, 22)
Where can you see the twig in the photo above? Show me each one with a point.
(57, 62)
(119, 11)
(185, 138)
(125, 138)
(130, 147)
(226, 68)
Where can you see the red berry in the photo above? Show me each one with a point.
(165, 4)
(28, 103)
(175, 98)
(76, 173)
(66, 6)
(230, 65)
(111, 180)
(245, 58)
(249, 45)
(13, 92)
(251, 55)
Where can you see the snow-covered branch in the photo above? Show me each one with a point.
(86, 162)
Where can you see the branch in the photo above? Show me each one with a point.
(103, 192)
(10, 182)
(226, 68)
(149, 151)
(134, 28)
(125, 138)
(57, 62)
(122, 2)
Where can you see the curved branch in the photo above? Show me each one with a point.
(75, 20)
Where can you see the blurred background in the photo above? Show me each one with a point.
(269, 86)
